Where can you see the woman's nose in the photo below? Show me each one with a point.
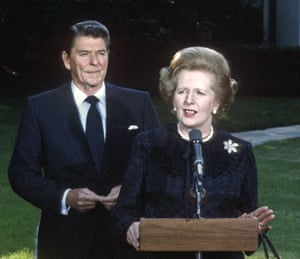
(189, 97)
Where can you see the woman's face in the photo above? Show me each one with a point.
(194, 100)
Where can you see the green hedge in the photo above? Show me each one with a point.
(265, 71)
(260, 71)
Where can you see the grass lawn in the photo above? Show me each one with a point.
(18, 218)
(279, 180)
(278, 166)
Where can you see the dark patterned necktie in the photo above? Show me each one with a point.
(94, 131)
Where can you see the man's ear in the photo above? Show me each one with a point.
(66, 59)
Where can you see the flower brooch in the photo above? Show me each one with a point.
(230, 146)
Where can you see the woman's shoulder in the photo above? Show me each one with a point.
(225, 135)
(232, 143)
(163, 143)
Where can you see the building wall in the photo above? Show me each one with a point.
(287, 20)
(269, 23)
(282, 22)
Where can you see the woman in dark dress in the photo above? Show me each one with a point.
(159, 176)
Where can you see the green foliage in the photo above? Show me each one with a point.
(251, 113)
(265, 71)
(148, 21)
(142, 31)
(24, 253)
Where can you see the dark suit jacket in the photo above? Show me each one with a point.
(52, 154)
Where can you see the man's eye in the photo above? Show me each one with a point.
(83, 54)
(102, 53)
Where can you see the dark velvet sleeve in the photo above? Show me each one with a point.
(249, 200)
(249, 189)
(128, 208)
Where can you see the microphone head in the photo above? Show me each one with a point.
(195, 135)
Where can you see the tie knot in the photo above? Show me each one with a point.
(93, 100)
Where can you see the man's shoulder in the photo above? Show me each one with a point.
(56, 97)
(58, 91)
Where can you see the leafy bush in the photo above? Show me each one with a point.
(265, 71)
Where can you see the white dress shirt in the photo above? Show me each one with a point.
(83, 108)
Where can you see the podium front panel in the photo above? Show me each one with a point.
(199, 234)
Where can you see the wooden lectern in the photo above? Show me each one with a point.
(199, 234)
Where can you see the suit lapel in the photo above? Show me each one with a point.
(116, 124)
(68, 118)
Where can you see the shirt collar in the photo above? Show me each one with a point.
(80, 96)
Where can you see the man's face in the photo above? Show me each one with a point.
(87, 62)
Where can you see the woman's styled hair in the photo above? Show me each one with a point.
(203, 59)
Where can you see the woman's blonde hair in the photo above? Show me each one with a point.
(205, 59)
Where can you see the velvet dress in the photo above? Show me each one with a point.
(160, 174)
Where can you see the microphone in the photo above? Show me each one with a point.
(199, 192)
(196, 138)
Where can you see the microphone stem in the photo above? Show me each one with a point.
(199, 189)
(198, 255)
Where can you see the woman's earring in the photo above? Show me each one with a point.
(214, 111)
(174, 109)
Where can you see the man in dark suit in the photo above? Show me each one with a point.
(53, 164)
